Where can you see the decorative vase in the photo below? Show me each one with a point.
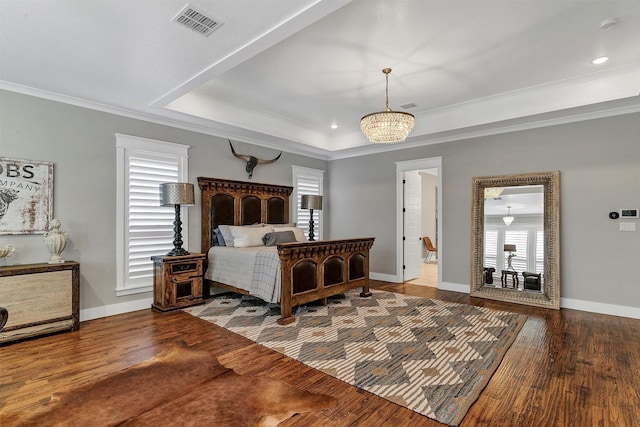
(55, 240)
(7, 251)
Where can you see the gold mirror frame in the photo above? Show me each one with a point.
(550, 297)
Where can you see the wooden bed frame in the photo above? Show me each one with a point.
(310, 271)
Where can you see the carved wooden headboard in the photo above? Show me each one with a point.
(240, 203)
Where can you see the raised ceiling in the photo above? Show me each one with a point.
(280, 73)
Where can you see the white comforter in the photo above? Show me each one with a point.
(254, 269)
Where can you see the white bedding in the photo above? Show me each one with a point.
(254, 269)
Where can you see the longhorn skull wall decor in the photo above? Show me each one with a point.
(252, 162)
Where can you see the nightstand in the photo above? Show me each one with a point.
(177, 281)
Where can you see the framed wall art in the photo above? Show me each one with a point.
(26, 196)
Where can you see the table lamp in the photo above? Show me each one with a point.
(177, 194)
(311, 202)
(510, 249)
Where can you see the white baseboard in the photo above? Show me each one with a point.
(113, 309)
(455, 287)
(574, 304)
(385, 277)
(602, 308)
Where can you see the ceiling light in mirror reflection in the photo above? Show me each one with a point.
(523, 200)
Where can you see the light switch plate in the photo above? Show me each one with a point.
(627, 226)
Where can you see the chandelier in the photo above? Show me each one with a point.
(387, 127)
(509, 218)
(493, 192)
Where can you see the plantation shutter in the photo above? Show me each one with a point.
(150, 230)
(308, 181)
(491, 248)
(145, 228)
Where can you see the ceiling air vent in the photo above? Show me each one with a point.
(197, 20)
(409, 105)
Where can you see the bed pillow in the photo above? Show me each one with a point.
(225, 230)
(219, 237)
(277, 237)
(244, 237)
(297, 231)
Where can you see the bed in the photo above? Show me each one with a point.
(308, 271)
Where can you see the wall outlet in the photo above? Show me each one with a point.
(627, 226)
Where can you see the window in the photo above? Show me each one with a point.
(144, 228)
(307, 181)
(491, 249)
(528, 237)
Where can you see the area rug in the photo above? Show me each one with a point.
(180, 386)
(431, 356)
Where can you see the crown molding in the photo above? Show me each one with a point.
(199, 125)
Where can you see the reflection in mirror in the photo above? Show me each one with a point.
(514, 237)
(515, 251)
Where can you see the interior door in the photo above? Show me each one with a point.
(412, 243)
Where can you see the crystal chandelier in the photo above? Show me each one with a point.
(387, 127)
(492, 192)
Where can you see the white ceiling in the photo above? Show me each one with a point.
(520, 200)
(278, 73)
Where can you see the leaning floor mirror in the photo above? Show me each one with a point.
(515, 238)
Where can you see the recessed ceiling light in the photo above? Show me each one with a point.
(600, 60)
(334, 126)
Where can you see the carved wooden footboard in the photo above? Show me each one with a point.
(310, 271)
(316, 270)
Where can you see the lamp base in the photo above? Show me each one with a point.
(178, 252)
(311, 224)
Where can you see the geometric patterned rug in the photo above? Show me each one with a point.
(431, 356)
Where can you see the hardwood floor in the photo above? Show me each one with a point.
(566, 368)
(428, 275)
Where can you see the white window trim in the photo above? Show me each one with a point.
(124, 144)
(300, 171)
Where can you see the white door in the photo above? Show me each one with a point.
(412, 236)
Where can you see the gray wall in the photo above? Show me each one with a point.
(81, 144)
(599, 162)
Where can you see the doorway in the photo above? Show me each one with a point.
(410, 250)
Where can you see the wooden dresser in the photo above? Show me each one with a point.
(40, 299)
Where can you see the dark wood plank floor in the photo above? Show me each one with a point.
(566, 368)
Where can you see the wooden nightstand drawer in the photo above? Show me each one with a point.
(186, 267)
(177, 281)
